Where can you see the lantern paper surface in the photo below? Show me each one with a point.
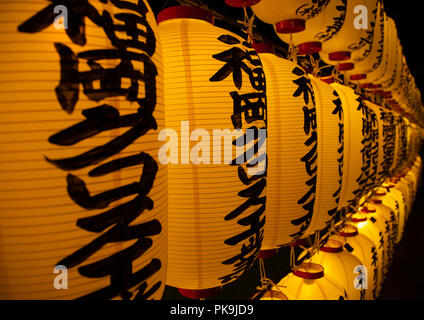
(353, 146)
(330, 133)
(216, 206)
(365, 250)
(349, 38)
(322, 288)
(82, 187)
(292, 151)
(340, 266)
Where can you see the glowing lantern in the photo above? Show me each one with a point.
(290, 16)
(368, 228)
(389, 45)
(386, 137)
(369, 57)
(357, 27)
(291, 183)
(400, 193)
(352, 187)
(308, 281)
(330, 122)
(78, 140)
(365, 250)
(318, 29)
(213, 82)
(385, 220)
(341, 265)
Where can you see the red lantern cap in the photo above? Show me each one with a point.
(348, 231)
(261, 47)
(380, 192)
(264, 254)
(241, 3)
(328, 80)
(199, 294)
(365, 85)
(346, 66)
(358, 218)
(290, 26)
(367, 209)
(309, 270)
(298, 242)
(375, 86)
(332, 246)
(355, 77)
(376, 201)
(309, 47)
(339, 56)
(188, 12)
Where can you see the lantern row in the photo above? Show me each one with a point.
(88, 204)
(354, 261)
(355, 36)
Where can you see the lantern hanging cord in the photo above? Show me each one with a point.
(266, 283)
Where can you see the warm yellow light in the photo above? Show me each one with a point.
(63, 97)
(216, 210)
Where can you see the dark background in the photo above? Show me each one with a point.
(403, 281)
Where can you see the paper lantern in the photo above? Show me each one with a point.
(385, 220)
(213, 81)
(353, 179)
(292, 169)
(396, 204)
(353, 34)
(83, 116)
(290, 16)
(308, 281)
(401, 194)
(330, 133)
(385, 138)
(368, 228)
(369, 58)
(365, 250)
(341, 265)
(389, 45)
(318, 29)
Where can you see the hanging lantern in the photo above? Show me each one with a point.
(214, 85)
(401, 193)
(318, 29)
(380, 73)
(381, 197)
(353, 147)
(308, 281)
(365, 250)
(82, 153)
(292, 180)
(341, 265)
(369, 57)
(356, 30)
(330, 136)
(368, 228)
(290, 16)
(385, 138)
(385, 220)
